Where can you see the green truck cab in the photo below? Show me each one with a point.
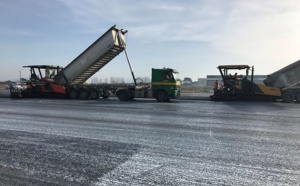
(164, 86)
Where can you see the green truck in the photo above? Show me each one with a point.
(70, 80)
(164, 86)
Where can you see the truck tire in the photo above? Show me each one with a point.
(131, 94)
(298, 97)
(288, 97)
(123, 95)
(161, 96)
(73, 93)
(94, 94)
(83, 94)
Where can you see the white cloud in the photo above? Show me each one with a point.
(266, 34)
(180, 20)
(259, 32)
(262, 33)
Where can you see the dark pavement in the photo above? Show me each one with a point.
(143, 142)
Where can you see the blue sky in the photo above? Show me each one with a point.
(192, 36)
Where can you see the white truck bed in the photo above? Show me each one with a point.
(285, 77)
(96, 56)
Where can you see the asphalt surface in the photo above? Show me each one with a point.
(143, 142)
(184, 96)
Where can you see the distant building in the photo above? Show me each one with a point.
(210, 79)
(201, 82)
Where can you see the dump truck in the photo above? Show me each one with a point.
(70, 81)
(280, 85)
(163, 87)
(288, 80)
(49, 80)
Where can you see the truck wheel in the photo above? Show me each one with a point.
(161, 96)
(83, 94)
(123, 95)
(298, 97)
(73, 94)
(131, 95)
(94, 94)
(288, 97)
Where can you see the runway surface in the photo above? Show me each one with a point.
(144, 142)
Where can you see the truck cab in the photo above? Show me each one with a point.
(164, 86)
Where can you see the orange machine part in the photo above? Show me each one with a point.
(54, 88)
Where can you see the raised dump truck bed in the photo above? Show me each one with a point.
(285, 77)
(95, 57)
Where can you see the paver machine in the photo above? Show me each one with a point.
(242, 86)
(283, 84)
(40, 83)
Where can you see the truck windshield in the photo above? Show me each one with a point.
(174, 76)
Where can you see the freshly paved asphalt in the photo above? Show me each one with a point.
(143, 142)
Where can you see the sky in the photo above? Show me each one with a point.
(192, 36)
